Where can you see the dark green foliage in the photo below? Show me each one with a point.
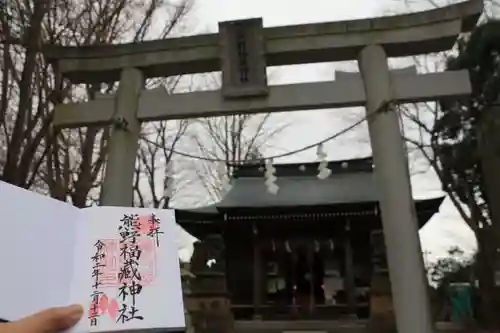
(461, 131)
(455, 267)
(455, 133)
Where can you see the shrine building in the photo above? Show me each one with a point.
(313, 251)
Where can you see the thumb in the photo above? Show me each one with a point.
(54, 320)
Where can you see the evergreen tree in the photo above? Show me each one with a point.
(460, 134)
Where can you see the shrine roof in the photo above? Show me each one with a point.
(351, 181)
(350, 189)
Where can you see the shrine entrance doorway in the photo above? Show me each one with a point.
(304, 281)
(304, 278)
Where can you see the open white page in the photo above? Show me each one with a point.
(121, 252)
(37, 240)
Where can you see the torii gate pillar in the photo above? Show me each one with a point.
(117, 189)
(404, 254)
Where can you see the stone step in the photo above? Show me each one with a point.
(318, 326)
(300, 326)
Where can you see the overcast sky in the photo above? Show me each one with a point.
(445, 229)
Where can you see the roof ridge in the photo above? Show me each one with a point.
(309, 169)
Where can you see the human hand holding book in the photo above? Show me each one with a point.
(55, 320)
(121, 264)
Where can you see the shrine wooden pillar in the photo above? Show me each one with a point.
(349, 282)
(293, 255)
(310, 263)
(257, 276)
(382, 317)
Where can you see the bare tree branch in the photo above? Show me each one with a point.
(68, 164)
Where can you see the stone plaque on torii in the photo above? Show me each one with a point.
(242, 50)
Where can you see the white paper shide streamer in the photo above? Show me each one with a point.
(270, 177)
(323, 171)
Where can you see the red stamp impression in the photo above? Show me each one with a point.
(113, 261)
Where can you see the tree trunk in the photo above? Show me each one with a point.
(485, 271)
(489, 236)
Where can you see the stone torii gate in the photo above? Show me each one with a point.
(242, 50)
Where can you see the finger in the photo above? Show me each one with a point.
(52, 320)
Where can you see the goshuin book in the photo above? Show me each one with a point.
(121, 264)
